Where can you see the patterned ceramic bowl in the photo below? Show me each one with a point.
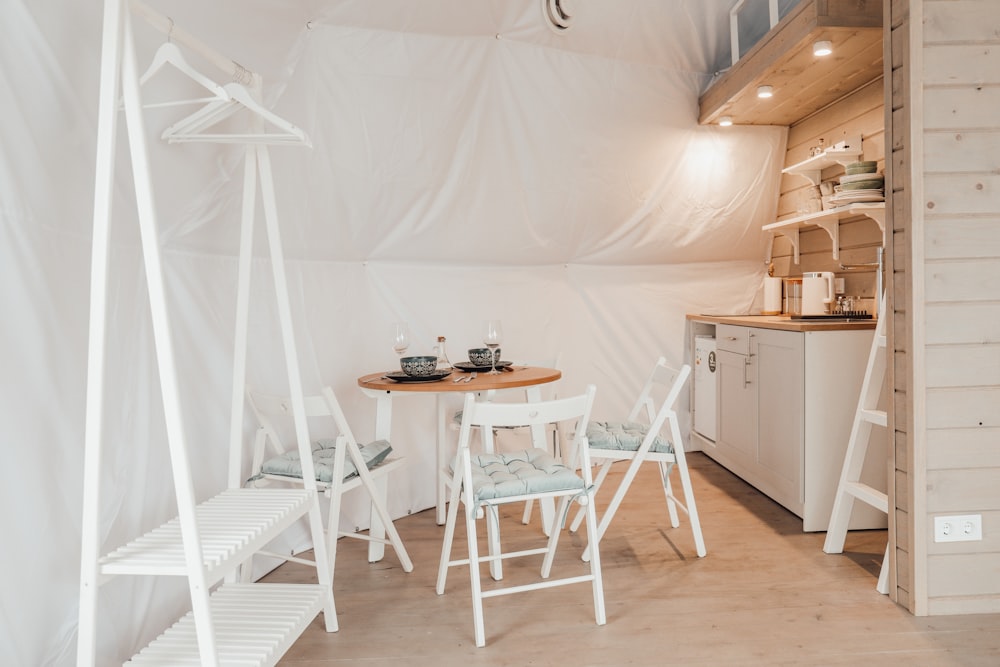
(418, 366)
(480, 356)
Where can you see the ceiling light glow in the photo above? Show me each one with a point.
(764, 92)
(726, 121)
(823, 48)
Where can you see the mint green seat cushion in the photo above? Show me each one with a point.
(323, 451)
(517, 473)
(624, 436)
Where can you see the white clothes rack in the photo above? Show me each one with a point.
(207, 542)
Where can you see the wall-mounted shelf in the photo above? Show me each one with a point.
(811, 169)
(829, 221)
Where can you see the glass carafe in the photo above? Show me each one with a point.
(442, 363)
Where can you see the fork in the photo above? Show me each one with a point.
(472, 376)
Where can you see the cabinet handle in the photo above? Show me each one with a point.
(730, 337)
(746, 372)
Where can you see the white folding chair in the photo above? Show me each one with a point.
(482, 482)
(537, 434)
(341, 466)
(657, 440)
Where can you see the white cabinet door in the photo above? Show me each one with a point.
(779, 357)
(737, 438)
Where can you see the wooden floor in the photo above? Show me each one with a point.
(765, 594)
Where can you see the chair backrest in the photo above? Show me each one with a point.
(268, 408)
(487, 415)
(661, 379)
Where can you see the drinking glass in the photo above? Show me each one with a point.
(492, 337)
(401, 338)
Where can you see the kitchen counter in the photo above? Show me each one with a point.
(785, 396)
(784, 322)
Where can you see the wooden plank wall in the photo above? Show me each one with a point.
(960, 256)
(898, 278)
(862, 113)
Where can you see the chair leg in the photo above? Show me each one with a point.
(449, 536)
(692, 508)
(378, 492)
(601, 474)
(477, 591)
(493, 539)
(526, 516)
(668, 493)
(595, 559)
(376, 530)
(616, 500)
(335, 493)
(554, 530)
(689, 502)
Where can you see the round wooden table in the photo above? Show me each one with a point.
(381, 388)
(516, 376)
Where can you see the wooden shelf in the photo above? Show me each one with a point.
(829, 221)
(803, 83)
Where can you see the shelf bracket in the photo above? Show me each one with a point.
(792, 234)
(814, 176)
(832, 227)
(878, 215)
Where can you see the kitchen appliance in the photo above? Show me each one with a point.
(817, 292)
(772, 296)
(704, 387)
(793, 296)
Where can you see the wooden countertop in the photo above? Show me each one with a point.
(783, 322)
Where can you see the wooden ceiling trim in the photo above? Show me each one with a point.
(802, 83)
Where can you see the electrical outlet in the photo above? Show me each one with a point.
(959, 528)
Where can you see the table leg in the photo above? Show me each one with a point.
(441, 458)
(383, 428)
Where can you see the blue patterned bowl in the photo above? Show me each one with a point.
(418, 366)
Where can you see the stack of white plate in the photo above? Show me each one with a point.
(857, 196)
(857, 188)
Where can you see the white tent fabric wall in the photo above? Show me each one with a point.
(466, 163)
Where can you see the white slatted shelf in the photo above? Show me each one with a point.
(232, 526)
(254, 625)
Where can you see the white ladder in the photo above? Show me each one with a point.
(850, 486)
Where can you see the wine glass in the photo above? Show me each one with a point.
(492, 337)
(401, 338)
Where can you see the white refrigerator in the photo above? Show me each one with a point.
(705, 418)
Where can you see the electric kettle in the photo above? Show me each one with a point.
(817, 292)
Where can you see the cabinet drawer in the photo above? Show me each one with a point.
(733, 339)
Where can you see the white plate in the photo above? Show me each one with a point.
(853, 178)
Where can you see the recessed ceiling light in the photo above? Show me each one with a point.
(726, 121)
(765, 91)
(823, 48)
